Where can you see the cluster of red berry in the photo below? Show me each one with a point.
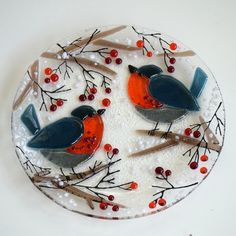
(90, 97)
(172, 60)
(113, 53)
(104, 205)
(140, 44)
(161, 201)
(59, 103)
(194, 165)
(51, 77)
(105, 102)
(188, 132)
(108, 148)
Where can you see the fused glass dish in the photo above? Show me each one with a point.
(119, 122)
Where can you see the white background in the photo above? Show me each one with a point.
(28, 27)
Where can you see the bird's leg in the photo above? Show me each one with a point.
(167, 132)
(152, 131)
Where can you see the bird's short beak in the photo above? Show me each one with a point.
(101, 111)
(132, 69)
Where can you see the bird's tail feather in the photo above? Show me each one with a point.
(199, 81)
(30, 119)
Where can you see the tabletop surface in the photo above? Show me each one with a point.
(29, 27)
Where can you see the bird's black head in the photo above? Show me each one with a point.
(147, 71)
(84, 111)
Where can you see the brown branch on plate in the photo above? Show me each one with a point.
(99, 35)
(33, 68)
(173, 139)
(81, 175)
(211, 138)
(34, 71)
(159, 147)
(23, 95)
(183, 138)
(187, 53)
(106, 43)
(79, 193)
(80, 60)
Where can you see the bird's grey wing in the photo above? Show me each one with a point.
(163, 114)
(65, 159)
(172, 92)
(60, 134)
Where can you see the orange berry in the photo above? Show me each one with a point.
(140, 43)
(173, 46)
(133, 185)
(204, 157)
(149, 54)
(108, 147)
(152, 204)
(162, 202)
(48, 71)
(203, 170)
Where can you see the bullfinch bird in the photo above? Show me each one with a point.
(67, 141)
(163, 98)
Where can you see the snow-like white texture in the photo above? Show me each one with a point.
(121, 122)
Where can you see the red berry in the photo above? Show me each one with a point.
(108, 60)
(149, 54)
(115, 151)
(108, 90)
(196, 134)
(54, 77)
(103, 205)
(106, 102)
(203, 170)
(188, 131)
(168, 172)
(48, 71)
(140, 43)
(152, 204)
(115, 208)
(82, 97)
(114, 53)
(108, 147)
(170, 69)
(204, 157)
(172, 60)
(53, 107)
(90, 97)
(47, 80)
(133, 185)
(111, 197)
(59, 102)
(118, 61)
(159, 170)
(93, 90)
(193, 165)
(162, 202)
(173, 46)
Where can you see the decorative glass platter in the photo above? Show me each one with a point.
(120, 122)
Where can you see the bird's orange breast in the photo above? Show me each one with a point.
(91, 139)
(138, 92)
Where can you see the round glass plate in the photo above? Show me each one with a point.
(119, 122)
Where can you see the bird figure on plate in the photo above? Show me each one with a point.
(69, 140)
(163, 98)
